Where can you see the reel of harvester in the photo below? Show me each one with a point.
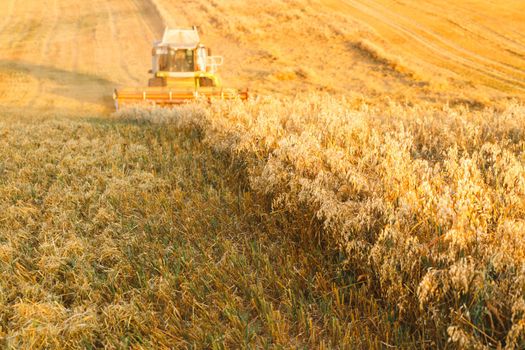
(182, 70)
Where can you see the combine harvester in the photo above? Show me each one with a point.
(183, 70)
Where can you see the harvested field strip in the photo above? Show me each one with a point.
(436, 47)
(491, 33)
(120, 234)
(448, 44)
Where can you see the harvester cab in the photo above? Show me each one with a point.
(183, 69)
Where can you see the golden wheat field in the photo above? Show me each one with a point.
(369, 195)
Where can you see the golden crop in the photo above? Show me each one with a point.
(311, 222)
(116, 234)
(426, 204)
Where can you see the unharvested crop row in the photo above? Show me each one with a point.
(427, 204)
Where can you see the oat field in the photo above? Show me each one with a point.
(370, 195)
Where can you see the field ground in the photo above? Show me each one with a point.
(116, 232)
(62, 55)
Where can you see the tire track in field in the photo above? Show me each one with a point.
(32, 38)
(17, 30)
(14, 83)
(508, 40)
(464, 13)
(44, 52)
(519, 34)
(149, 27)
(9, 15)
(486, 34)
(115, 38)
(152, 18)
(505, 34)
(453, 46)
(52, 59)
(437, 50)
(479, 30)
(450, 44)
(144, 25)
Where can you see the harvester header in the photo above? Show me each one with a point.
(182, 70)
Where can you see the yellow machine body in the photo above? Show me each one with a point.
(182, 70)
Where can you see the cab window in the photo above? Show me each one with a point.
(177, 61)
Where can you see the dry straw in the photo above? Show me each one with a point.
(427, 204)
(116, 234)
